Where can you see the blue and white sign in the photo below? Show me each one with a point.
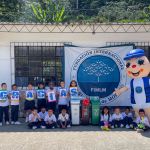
(15, 95)
(40, 93)
(98, 72)
(3, 95)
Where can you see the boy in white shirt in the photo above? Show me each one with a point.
(127, 118)
(4, 104)
(63, 95)
(117, 118)
(141, 123)
(34, 120)
(14, 99)
(42, 115)
(63, 119)
(50, 120)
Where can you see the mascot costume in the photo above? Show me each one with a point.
(138, 69)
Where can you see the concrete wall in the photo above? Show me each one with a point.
(80, 39)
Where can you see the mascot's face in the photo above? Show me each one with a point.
(138, 67)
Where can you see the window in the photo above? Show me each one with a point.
(38, 63)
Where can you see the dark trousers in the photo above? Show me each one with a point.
(51, 105)
(127, 121)
(63, 122)
(117, 123)
(41, 103)
(14, 112)
(4, 110)
(37, 124)
(60, 107)
(102, 123)
(49, 126)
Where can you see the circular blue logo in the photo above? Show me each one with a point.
(98, 76)
(138, 89)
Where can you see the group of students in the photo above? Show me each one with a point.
(46, 98)
(124, 119)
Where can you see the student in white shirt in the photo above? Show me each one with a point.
(63, 119)
(62, 93)
(34, 120)
(4, 104)
(41, 96)
(29, 103)
(106, 120)
(127, 118)
(117, 118)
(51, 97)
(14, 99)
(42, 115)
(141, 122)
(50, 120)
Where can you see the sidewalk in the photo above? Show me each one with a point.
(19, 137)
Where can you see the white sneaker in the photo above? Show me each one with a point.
(27, 119)
(1, 124)
(7, 123)
(112, 127)
(121, 125)
(127, 126)
(102, 127)
(12, 122)
(17, 123)
(68, 126)
(43, 127)
(34, 127)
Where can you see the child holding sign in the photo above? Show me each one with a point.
(4, 104)
(63, 97)
(73, 90)
(29, 100)
(14, 99)
(41, 100)
(51, 97)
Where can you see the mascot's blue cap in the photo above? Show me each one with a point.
(134, 53)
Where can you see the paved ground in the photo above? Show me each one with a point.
(19, 137)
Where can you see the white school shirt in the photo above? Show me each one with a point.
(51, 95)
(117, 117)
(127, 115)
(62, 96)
(105, 118)
(144, 121)
(40, 93)
(14, 97)
(63, 118)
(4, 98)
(50, 118)
(42, 115)
(31, 116)
(30, 95)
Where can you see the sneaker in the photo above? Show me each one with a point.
(27, 119)
(112, 127)
(34, 127)
(102, 127)
(7, 123)
(53, 127)
(43, 127)
(17, 123)
(12, 122)
(121, 125)
(1, 124)
(116, 126)
(127, 126)
(131, 126)
(68, 126)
